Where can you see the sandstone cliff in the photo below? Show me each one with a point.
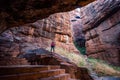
(20, 40)
(101, 23)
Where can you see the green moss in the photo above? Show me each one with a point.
(81, 49)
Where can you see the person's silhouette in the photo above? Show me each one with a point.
(52, 46)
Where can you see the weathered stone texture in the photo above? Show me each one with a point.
(64, 63)
(8, 61)
(101, 23)
(15, 13)
(19, 40)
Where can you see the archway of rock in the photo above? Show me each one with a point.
(58, 33)
(16, 13)
(93, 21)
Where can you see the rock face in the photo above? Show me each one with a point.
(15, 13)
(20, 40)
(101, 23)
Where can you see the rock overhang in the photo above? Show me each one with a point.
(16, 13)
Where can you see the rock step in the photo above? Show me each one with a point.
(12, 58)
(13, 61)
(74, 79)
(58, 77)
(33, 76)
(54, 72)
(8, 70)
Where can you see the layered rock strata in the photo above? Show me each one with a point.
(20, 40)
(101, 23)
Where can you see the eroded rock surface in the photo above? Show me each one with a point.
(101, 23)
(15, 13)
(20, 40)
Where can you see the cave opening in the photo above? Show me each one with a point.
(91, 30)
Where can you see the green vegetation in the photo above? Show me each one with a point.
(116, 68)
(81, 49)
(104, 69)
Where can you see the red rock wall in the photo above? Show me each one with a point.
(38, 35)
(101, 23)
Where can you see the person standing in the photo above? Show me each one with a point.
(52, 46)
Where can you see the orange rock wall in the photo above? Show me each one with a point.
(39, 35)
(101, 25)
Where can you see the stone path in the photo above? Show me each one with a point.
(33, 72)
